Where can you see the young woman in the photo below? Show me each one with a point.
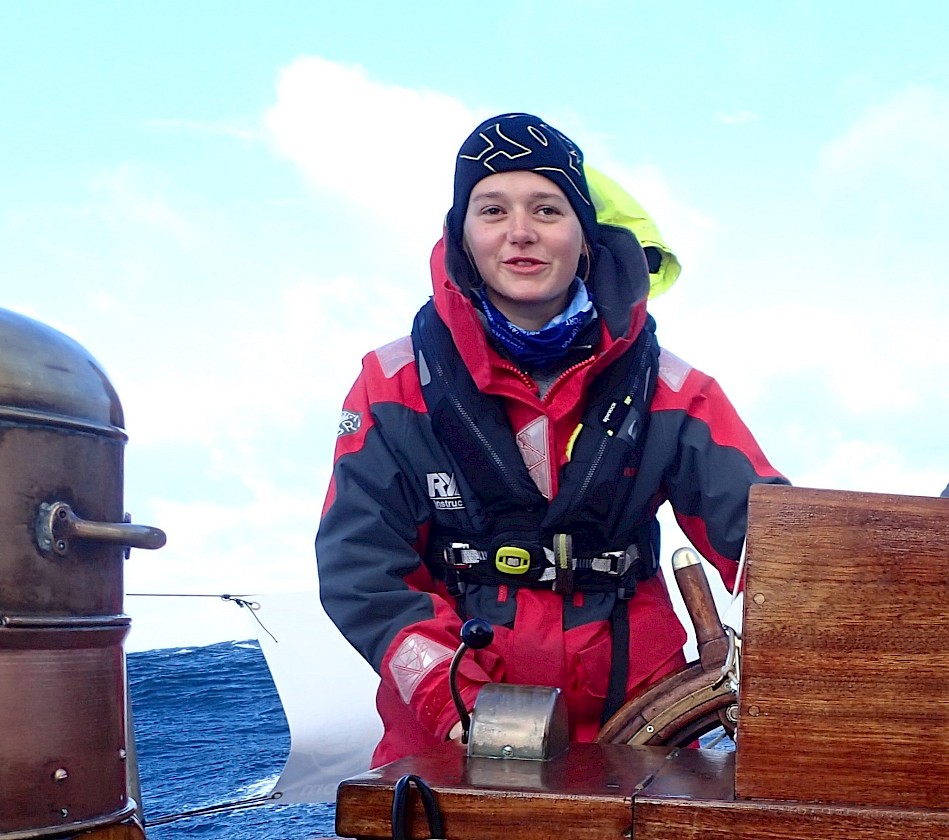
(506, 460)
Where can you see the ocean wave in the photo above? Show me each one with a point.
(210, 730)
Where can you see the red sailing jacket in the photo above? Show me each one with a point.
(391, 473)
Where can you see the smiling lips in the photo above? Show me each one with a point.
(524, 265)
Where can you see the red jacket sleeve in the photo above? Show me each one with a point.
(715, 463)
(373, 583)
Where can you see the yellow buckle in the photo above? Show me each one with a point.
(512, 560)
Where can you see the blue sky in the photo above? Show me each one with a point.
(228, 203)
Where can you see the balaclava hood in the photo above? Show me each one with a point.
(518, 142)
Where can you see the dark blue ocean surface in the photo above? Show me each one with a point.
(210, 730)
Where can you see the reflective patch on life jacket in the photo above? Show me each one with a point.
(672, 370)
(532, 442)
(395, 355)
(415, 657)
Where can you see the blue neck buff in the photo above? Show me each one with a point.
(545, 347)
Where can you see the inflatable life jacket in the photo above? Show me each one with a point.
(505, 530)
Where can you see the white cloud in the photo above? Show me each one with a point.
(883, 187)
(836, 317)
(736, 117)
(122, 195)
(278, 369)
(264, 544)
(873, 466)
(386, 149)
(904, 140)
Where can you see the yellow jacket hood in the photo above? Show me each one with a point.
(614, 206)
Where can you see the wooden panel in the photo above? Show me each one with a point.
(128, 830)
(683, 819)
(694, 774)
(845, 668)
(585, 793)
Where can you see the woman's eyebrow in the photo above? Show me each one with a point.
(497, 194)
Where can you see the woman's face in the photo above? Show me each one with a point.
(526, 241)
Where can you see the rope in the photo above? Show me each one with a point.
(253, 606)
(400, 808)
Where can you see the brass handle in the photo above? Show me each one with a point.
(56, 525)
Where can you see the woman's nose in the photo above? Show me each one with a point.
(522, 227)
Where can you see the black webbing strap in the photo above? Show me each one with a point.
(400, 812)
(619, 660)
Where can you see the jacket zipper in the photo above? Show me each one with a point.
(473, 426)
(530, 383)
(600, 452)
(571, 369)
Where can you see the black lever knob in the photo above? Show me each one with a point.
(476, 633)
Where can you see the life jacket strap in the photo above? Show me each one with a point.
(519, 566)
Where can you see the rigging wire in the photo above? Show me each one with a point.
(237, 805)
(738, 576)
(240, 600)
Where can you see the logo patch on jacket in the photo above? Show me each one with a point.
(349, 423)
(443, 491)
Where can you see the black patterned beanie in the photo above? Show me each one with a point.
(513, 142)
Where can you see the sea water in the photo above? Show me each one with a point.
(210, 731)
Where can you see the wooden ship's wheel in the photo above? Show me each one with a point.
(676, 712)
(698, 699)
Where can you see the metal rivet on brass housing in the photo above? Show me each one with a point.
(63, 813)
(507, 750)
(60, 775)
(759, 598)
